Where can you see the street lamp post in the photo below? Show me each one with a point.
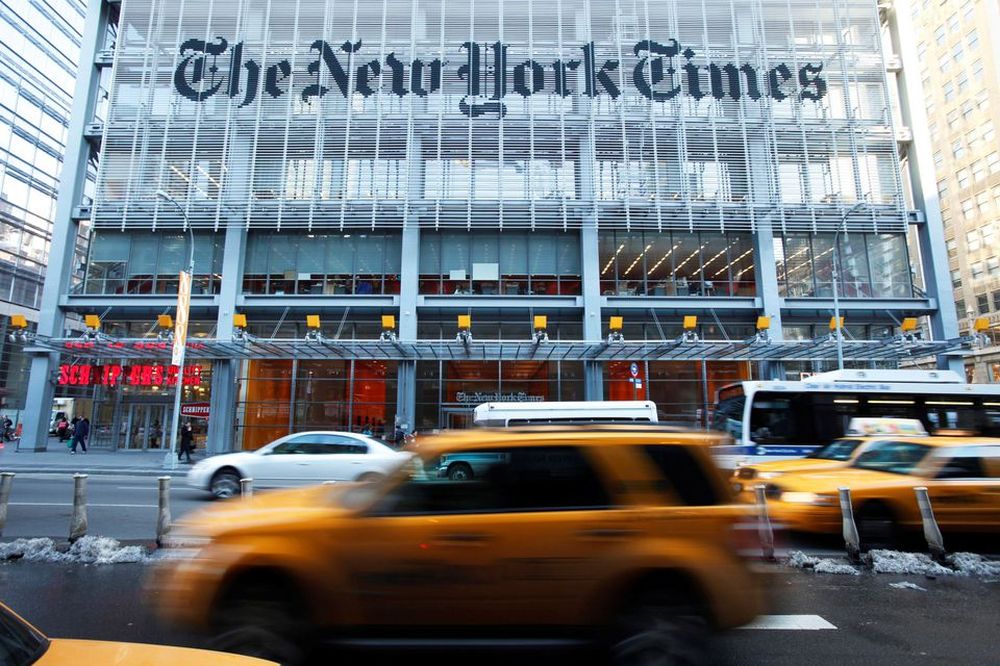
(836, 283)
(176, 417)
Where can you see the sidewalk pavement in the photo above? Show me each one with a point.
(58, 460)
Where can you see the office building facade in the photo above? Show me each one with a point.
(613, 167)
(39, 53)
(960, 80)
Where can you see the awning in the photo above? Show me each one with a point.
(213, 349)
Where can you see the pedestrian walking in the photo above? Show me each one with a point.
(187, 442)
(8, 429)
(80, 434)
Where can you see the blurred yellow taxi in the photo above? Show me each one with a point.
(861, 433)
(23, 645)
(961, 474)
(626, 536)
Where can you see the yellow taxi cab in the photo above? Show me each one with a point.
(23, 645)
(625, 536)
(961, 474)
(860, 433)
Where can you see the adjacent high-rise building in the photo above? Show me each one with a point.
(397, 210)
(39, 57)
(959, 59)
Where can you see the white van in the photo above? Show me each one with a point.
(503, 414)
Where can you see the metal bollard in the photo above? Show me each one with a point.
(852, 542)
(6, 481)
(246, 488)
(931, 530)
(163, 517)
(78, 523)
(764, 529)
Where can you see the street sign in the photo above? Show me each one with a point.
(638, 383)
(198, 410)
(634, 369)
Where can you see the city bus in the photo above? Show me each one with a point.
(503, 414)
(771, 420)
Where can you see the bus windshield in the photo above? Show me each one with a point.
(728, 415)
(839, 450)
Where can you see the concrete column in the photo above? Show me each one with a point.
(38, 402)
(766, 270)
(409, 280)
(590, 273)
(225, 374)
(930, 234)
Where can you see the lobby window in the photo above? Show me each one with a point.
(871, 265)
(676, 264)
(493, 263)
(149, 263)
(295, 263)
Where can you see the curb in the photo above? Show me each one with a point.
(97, 471)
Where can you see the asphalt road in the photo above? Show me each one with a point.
(121, 507)
(951, 621)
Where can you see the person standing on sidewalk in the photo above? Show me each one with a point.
(80, 434)
(187, 442)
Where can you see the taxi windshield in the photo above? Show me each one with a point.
(20, 645)
(893, 457)
(839, 450)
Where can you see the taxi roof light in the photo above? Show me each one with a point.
(240, 320)
(165, 321)
(865, 426)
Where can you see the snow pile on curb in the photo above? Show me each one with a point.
(86, 550)
(800, 560)
(104, 550)
(896, 562)
(970, 564)
(906, 586)
(33, 550)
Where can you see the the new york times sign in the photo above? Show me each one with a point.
(663, 72)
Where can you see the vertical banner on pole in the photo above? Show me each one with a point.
(181, 323)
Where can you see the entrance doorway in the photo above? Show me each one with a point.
(146, 427)
(457, 419)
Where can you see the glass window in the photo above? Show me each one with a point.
(890, 266)
(20, 645)
(982, 300)
(684, 476)
(839, 450)
(893, 457)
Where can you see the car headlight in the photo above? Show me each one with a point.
(808, 498)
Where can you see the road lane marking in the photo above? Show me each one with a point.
(790, 622)
(103, 506)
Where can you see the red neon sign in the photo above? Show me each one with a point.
(131, 375)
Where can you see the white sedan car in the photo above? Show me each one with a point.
(299, 459)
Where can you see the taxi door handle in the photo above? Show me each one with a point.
(605, 533)
(464, 537)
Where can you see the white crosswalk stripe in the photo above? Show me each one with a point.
(790, 622)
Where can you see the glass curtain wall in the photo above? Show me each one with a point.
(499, 263)
(673, 263)
(286, 264)
(871, 265)
(149, 263)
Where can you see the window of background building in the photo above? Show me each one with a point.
(960, 310)
(993, 266)
(956, 279)
(957, 52)
(985, 205)
(953, 23)
(968, 209)
(949, 91)
(952, 248)
(977, 71)
(939, 34)
(988, 132)
(978, 170)
(996, 301)
(993, 162)
(953, 117)
(148, 263)
(872, 265)
(957, 149)
(500, 262)
(938, 159)
(967, 108)
(962, 175)
(972, 240)
(972, 39)
(676, 264)
(962, 81)
(942, 189)
(968, 9)
(977, 270)
(983, 303)
(972, 138)
(296, 263)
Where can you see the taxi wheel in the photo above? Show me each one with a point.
(877, 526)
(225, 484)
(660, 629)
(460, 472)
(259, 620)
